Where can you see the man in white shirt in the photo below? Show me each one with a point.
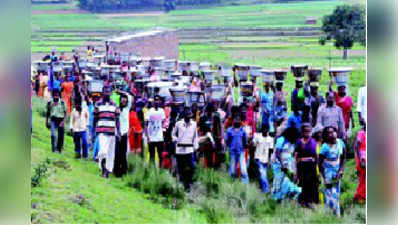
(154, 119)
(362, 104)
(185, 134)
(263, 144)
(78, 126)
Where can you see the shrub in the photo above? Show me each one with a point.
(158, 183)
(39, 172)
(40, 106)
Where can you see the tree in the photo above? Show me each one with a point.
(346, 25)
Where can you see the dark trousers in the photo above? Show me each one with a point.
(120, 166)
(308, 181)
(80, 140)
(159, 148)
(57, 134)
(186, 169)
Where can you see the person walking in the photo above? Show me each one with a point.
(55, 119)
(154, 130)
(237, 142)
(67, 91)
(360, 162)
(312, 101)
(107, 129)
(362, 104)
(284, 166)
(332, 161)
(330, 114)
(79, 120)
(346, 103)
(307, 161)
(263, 144)
(135, 131)
(120, 166)
(185, 135)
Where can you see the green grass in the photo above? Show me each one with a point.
(45, 7)
(263, 15)
(70, 22)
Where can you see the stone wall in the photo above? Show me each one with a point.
(148, 44)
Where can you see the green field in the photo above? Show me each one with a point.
(47, 7)
(263, 15)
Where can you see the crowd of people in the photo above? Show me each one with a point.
(303, 149)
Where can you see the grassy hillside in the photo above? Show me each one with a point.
(72, 191)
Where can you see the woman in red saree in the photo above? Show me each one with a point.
(135, 132)
(67, 91)
(346, 103)
(360, 162)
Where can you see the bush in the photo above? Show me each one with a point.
(40, 106)
(158, 183)
(39, 172)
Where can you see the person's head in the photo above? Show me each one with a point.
(187, 114)
(317, 136)
(341, 90)
(267, 86)
(330, 135)
(194, 107)
(306, 129)
(299, 84)
(234, 111)
(209, 109)
(106, 92)
(157, 102)
(265, 130)
(157, 90)
(279, 86)
(123, 100)
(78, 104)
(314, 90)
(237, 122)
(329, 99)
(291, 134)
(56, 95)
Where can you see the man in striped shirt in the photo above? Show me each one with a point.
(107, 129)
